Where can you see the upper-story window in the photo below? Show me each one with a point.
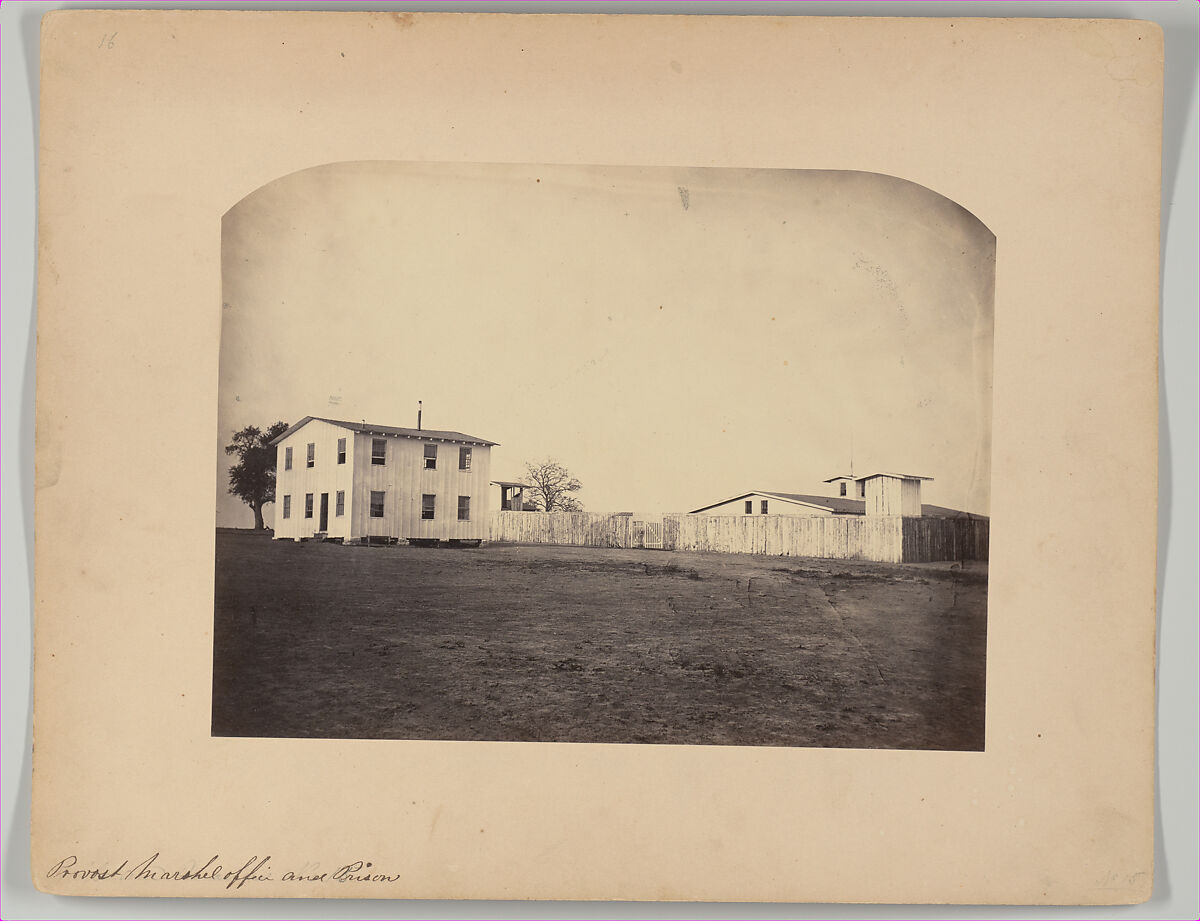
(749, 506)
(312, 454)
(464, 458)
(287, 458)
(764, 506)
(341, 450)
(842, 488)
(378, 451)
(431, 457)
(862, 490)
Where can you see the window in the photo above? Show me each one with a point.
(376, 503)
(842, 488)
(862, 490)
(464, 508)
(764, 506)
(340, 507)
(308, 505)
(287, 458)
(287, 506)
(749, 506)
(341, 452)
(431, 457)
(378, 451)
(464, 458)
(428, 503)
(312, 454)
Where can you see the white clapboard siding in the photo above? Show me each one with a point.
(404, 480)
(325, 476)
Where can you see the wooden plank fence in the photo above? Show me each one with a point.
(929, 540)
(831, 537)
(576, 529)
(883, 539)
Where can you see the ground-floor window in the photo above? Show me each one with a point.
(308, 505)
(376, 503)
(428, 506)
(464, 508)
(287, 506)
(340, 506)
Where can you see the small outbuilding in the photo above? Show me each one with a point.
(764, 502)
(876, 494)
(892, 493)
(512, 495)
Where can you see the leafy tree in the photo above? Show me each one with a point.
(551, 487)
(252, 478)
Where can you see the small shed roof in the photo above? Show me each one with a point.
(368, 428)
(511, 483)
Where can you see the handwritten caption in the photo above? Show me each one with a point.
(213, 871)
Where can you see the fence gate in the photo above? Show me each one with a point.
(651, 532)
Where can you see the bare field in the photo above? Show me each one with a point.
(570, 644)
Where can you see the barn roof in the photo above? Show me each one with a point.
(838, 505)
(369, 428)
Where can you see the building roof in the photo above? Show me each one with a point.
(837, 505)
(871, 476)
(511, 483)
(368, 428)
(898, 476)
(830, 503)
(938, 511)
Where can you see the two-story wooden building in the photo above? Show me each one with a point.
(362, 482)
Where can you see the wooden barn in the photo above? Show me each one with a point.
(357, 481)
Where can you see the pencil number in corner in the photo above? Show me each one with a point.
(108, 40)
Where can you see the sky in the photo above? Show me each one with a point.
(673, 336)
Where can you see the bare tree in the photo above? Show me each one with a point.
(252, 478)
(551, 487)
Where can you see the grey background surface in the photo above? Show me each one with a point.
(1176, 882)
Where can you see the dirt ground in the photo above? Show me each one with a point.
(543, 643)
